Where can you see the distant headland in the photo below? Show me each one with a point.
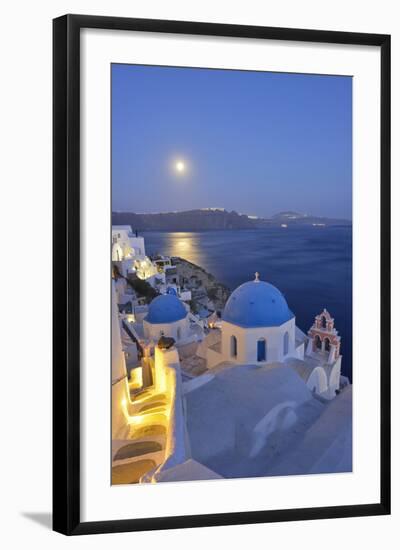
(204, 219)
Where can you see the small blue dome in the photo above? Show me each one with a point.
(256, 304)
(166, 308)
(171, 290)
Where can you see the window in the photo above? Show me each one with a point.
(286, 343)
(233, 346)
(178, 333)
(261, 350)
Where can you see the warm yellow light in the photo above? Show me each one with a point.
(136, 380)
(180, 166)
(183, 245)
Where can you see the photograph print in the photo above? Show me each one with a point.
(231, 274)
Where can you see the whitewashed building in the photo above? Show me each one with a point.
(167, 316)
(257, 327)
(132, 242)
(128, 253)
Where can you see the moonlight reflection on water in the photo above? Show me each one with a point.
(186, 245)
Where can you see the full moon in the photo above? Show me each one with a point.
(180, 166)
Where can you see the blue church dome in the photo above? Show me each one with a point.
(257, 304)
(166, 308)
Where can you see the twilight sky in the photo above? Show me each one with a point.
(254, 142)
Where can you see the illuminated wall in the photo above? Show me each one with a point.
(119, 375)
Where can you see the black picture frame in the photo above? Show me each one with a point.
(66, 273)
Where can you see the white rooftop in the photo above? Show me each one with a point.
(245, 419)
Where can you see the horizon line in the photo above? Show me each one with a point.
(220, 209)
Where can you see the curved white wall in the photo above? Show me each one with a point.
(334, 377)
(318, 381)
